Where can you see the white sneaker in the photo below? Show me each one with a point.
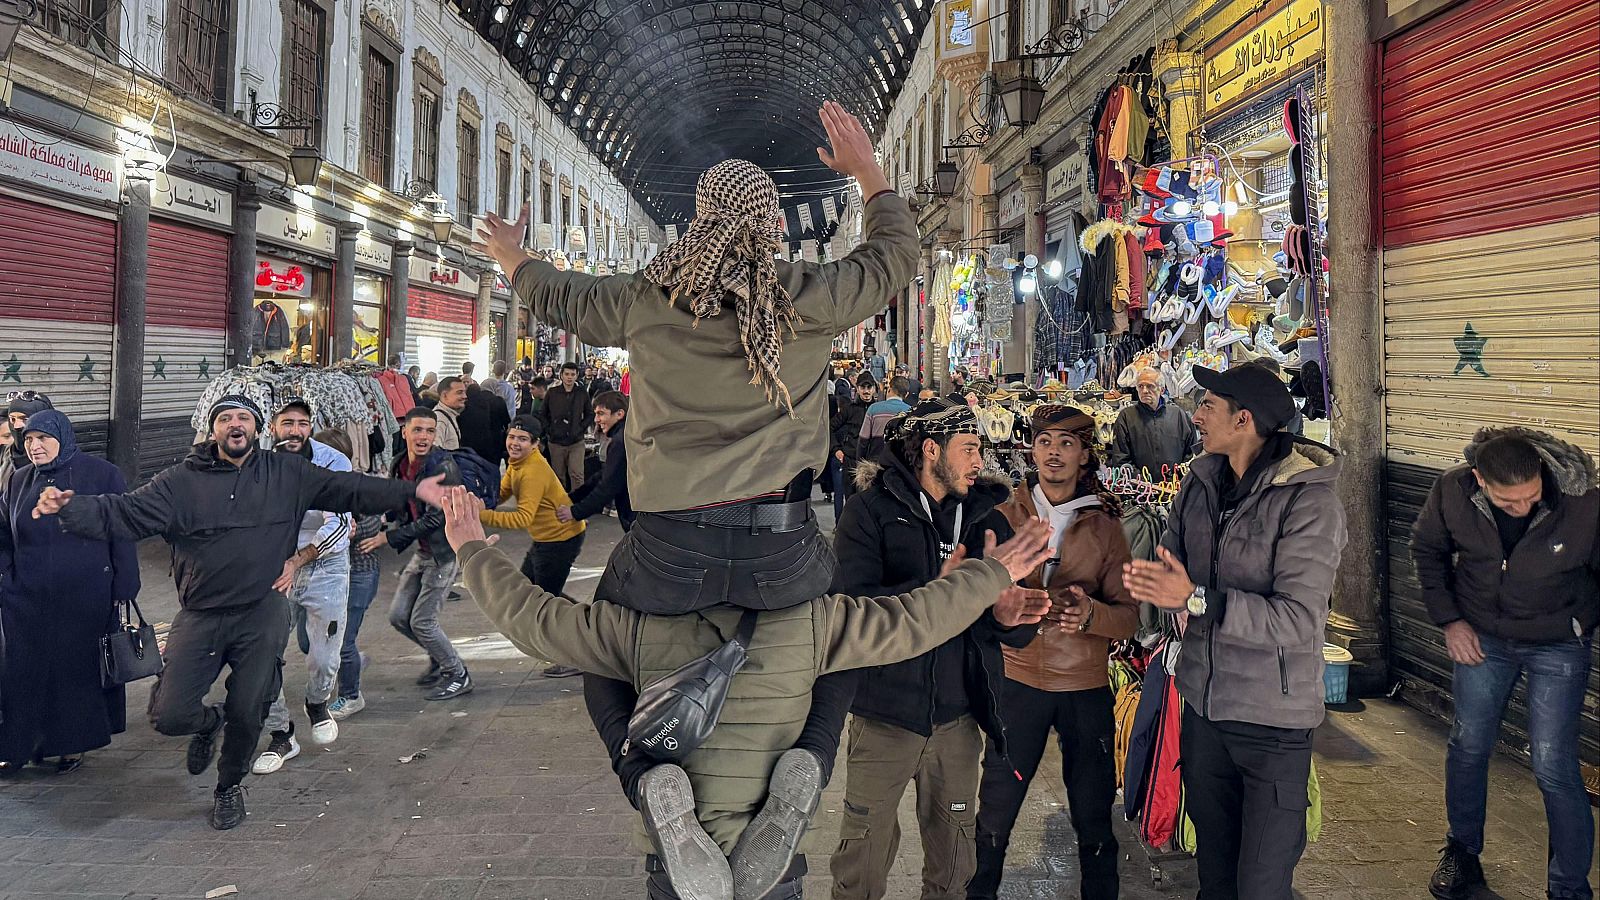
(282, 749)
(344, 707)
(324, 730)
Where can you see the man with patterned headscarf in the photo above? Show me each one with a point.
(723, 438)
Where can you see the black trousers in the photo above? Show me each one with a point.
(250, 641)
(1084, 726)
(659, 887)
(1246, 792)
(549, 563)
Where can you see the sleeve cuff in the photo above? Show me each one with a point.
(469, 550)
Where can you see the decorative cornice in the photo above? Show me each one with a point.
(469, 105)
(502, 132)
(965, 71)
(427, 62)
(383, 23)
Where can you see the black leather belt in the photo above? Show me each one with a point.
(778, 517)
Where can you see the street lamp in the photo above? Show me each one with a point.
(1022, 96)
(944, 178)
(304, 166)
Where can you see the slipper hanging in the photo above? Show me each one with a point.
(1219, 301)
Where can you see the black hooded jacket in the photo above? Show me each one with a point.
(887, 544)
(230, 527)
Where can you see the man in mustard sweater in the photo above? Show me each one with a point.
(531, 481)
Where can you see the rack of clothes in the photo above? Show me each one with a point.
(348, 397)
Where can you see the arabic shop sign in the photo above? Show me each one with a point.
(1064, 178)
(281, 277)
(1013, 206)
(40, 160)
(181, 198)
(1285, 41)
(276, 225)
(372, 254)
(436, 273)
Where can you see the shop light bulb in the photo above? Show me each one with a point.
(1211, 208)
(1230, 208)
(1182, 208)
(1053, 268)
(1028, 284)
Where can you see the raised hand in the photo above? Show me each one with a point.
(502, 240)
(1028, 548)
(1162, 583)
(852, 150)
(461, 523)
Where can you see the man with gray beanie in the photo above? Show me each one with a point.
(232, 516)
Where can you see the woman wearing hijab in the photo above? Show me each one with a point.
(59, 595)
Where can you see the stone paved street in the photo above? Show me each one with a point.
(514, 799)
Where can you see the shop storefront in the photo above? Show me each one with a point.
(293, 287)
(500, 301)
(1490, 263)
(1060, 333)
(439, 316)
(370, 321)
(186, 312)
(58, 274)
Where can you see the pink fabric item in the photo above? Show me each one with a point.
(397, 391)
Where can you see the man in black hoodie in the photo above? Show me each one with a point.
(567, 414)
(920, 512)
(232, 516)
(611, 485)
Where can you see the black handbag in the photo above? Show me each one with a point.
(129, 652)
(675, 714)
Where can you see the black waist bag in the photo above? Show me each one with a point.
(676, 713)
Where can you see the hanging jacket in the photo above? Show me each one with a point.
(1163, 801)
(887, 544)
(1142, 739)
(397, 391)
(269, 328)
(1101, 281)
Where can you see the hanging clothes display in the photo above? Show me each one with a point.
(348, 398)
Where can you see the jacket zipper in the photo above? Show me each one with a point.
(1283, 672)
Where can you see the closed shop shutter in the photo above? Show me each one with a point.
(58, 288)
(185, 338)
(1491, 202)
(438, 330)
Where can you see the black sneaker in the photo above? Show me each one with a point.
(562, 671)
(203, 746)
(227, 808)
(430, 676)
(452, 686)
(1458, 872)
(693, 861)
(768, 844)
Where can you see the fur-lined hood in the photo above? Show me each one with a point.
(1573, 469)
(1091, 237)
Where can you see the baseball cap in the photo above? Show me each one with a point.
(1252, 387)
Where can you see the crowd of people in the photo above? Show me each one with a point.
(725, 646)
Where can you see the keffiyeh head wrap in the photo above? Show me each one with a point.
(933, 418)
(729, 250)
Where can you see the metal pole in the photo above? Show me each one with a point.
(242, 273)
(127, 355)
(342, 318)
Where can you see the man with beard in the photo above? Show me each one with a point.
(447, 413)
(919, 513)
(19, 406)
(317, 581)
(232, 516)
(958, 384)
(1059, 680)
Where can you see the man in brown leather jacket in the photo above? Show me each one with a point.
(1059, 679)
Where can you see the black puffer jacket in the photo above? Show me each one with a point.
(1549, 587)
(416, 522)
(887, 544)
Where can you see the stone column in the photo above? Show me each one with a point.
(1355, 352)
(399, 296)
(932, 376)
(342, 318)
(127, 351)
(1180, 74)
(480, 322)
(1019, 356)
(242, 273)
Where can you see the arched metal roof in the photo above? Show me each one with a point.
(662, 89)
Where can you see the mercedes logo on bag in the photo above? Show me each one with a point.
(670, 743)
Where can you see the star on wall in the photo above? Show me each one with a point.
(86, 369)
(13, 369)
(160, 366)
(205, 367)
(1469, 351)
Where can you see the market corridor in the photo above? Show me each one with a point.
(513, 798)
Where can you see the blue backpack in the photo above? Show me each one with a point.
(479, 476)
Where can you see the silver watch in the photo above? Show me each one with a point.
(1197, 601)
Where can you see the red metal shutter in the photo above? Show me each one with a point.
(1489, 120)
(58, 288)
(186, 320)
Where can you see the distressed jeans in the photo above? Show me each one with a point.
(424, 584)
(317, 604)
(1557, 672)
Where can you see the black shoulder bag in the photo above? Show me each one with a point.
(129, 652)
(676, 713)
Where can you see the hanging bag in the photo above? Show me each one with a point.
(676, 713)
(129, 652)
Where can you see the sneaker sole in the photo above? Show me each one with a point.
(259, 769)
(768, 845)
(693, 861)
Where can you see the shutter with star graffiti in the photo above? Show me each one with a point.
(185, 336)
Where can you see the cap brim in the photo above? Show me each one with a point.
(1210, 379)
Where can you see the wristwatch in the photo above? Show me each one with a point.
(1197, 601)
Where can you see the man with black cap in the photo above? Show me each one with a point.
(232, 516)
(19, 406)
(1250, 551)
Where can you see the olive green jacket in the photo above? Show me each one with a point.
(698, 432)
(769, 699)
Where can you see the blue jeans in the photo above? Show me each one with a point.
(363, 588)
(1556, 673)
(317, 606)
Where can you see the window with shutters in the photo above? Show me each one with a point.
(198, 41)
(426, 139)
(467, 151)
(377, 117)
(1013, 29)
(82, 23)
(502, 182)
(305, 58)
(546, 201)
